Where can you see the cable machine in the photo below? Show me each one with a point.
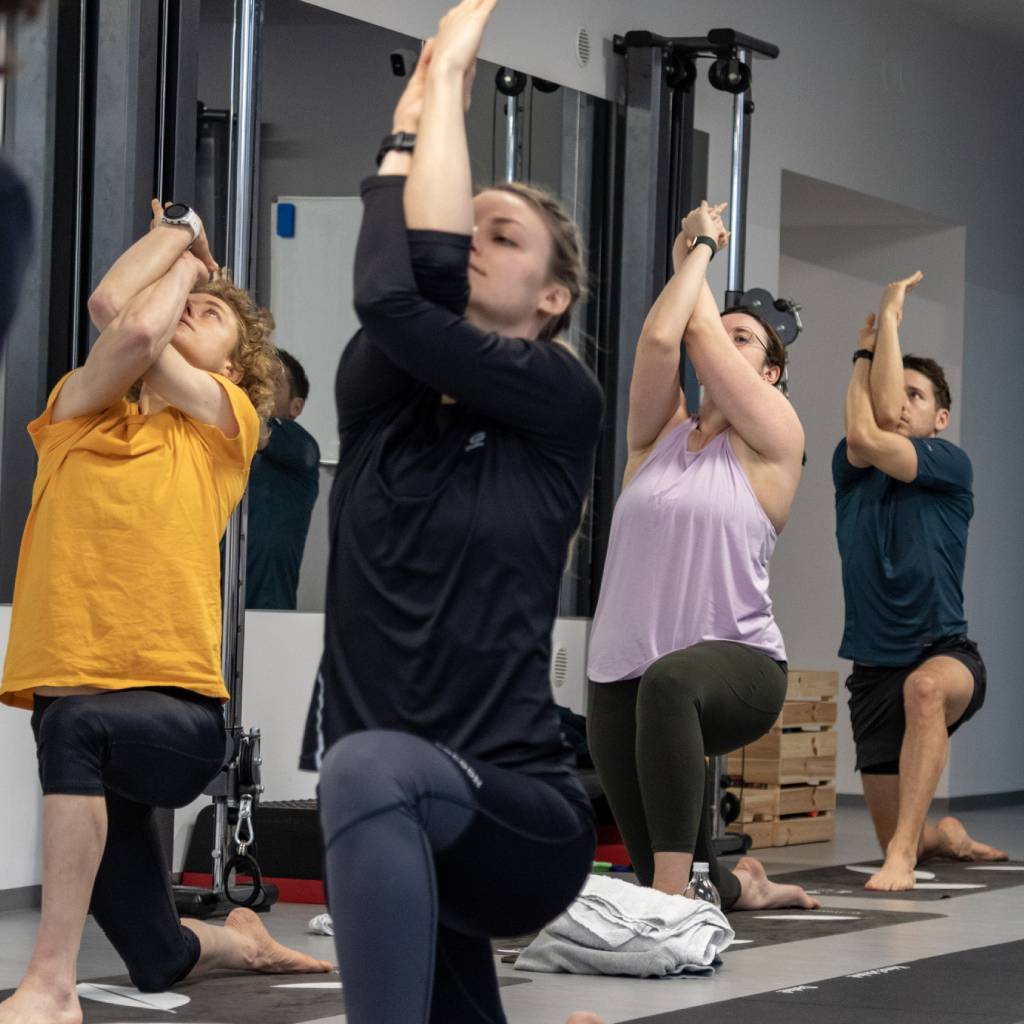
(236, 789)
(658, 186)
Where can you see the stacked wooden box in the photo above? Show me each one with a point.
(785, 780)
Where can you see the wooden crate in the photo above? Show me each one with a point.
(805, 684)
(804, 714)
(778, 777)
(801, 746)
(768, 803)
(789, 831)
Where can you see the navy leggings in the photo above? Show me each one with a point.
(428, 856)
(139, 749)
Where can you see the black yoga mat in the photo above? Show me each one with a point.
(839, 880)
(977, 986)
(756, 929)
(222, 998)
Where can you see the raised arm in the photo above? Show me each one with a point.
(757, 411)
(145, 262)
(887, 392)
(367, 379)
(131, 342)
(867, 444)
(655, 397)
(439, 192)
(191, 390)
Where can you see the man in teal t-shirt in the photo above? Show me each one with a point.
(283, 487)
(904, 500)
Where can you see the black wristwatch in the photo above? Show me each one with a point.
(863, 353)
(708, 241)
(403, 142)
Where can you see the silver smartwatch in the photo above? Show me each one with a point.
(180, 215)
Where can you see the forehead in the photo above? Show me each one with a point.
(736, 321)
(916, 379)
(206, 299)
(493, 204)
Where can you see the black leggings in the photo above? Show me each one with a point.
(430, 854)
(650, 737)
(139, 749)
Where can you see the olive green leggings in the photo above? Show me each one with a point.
(650, 737)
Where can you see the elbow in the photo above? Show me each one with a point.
(370, 302)
(138, 336)
(858, 443)
(378, 305)
(102, 306)
(700, 327)
(659, 340)
(888, 419)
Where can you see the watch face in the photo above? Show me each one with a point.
(176, 211)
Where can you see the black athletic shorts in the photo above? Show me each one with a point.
(876, 703)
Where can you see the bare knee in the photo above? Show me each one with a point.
(923, 697)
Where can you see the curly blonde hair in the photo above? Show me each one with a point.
(255, 354)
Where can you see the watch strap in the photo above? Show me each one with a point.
(403, 142)
(190, 220)
(708, 241)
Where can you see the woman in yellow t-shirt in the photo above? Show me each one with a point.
(115, 629)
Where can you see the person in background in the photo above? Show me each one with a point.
(904, 501)
(15, 209)
(686, 659)
(283, 488)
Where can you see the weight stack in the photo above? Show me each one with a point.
(288, 849)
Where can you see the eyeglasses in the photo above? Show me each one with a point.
(741, 338)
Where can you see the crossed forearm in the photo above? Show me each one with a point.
(861, 424)
(146, 262)
(439, 192)
(886, 375)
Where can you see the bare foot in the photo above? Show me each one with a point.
(955, 843)
(33, 1003)
(895, 875)
(264, 954)
(757, 892)
(584, 1017)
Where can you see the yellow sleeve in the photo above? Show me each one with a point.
(53, 441)
(48, 436)
(231, 453)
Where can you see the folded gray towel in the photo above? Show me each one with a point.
(614, 927)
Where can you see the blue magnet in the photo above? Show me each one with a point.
(286, 220)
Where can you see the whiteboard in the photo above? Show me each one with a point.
(311, 299)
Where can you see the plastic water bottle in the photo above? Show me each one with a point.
(701, 887)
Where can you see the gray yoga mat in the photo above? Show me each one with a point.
(946, 880)
(222, 998)
(976, 986)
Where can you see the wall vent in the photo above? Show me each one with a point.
(582, 47)
(560, 667)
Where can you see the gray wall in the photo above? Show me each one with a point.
(838, 248)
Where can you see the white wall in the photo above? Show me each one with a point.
(22, 803)
(282, 653)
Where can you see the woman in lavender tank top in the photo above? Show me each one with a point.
(686, 660)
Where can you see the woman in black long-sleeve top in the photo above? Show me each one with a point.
(450, 812)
